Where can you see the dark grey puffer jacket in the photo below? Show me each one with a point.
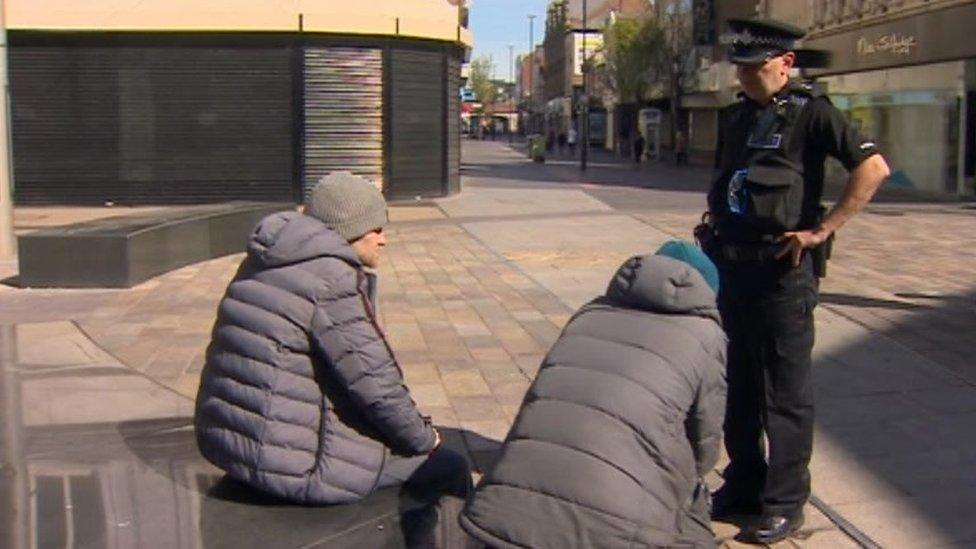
(301, 396)
(623, 418)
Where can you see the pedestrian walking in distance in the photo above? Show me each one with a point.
(680, 148)
(638, 147)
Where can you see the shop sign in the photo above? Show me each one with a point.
(894, 43)
(934, 36)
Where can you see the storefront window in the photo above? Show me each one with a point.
(917, 130)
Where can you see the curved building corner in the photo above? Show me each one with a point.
(151, 102)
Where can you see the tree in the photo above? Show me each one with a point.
(629, 47)
(648, 56)
(669, 67)
(481, 82)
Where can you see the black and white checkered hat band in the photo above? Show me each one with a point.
(749, 40)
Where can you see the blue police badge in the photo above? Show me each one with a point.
(738, 193)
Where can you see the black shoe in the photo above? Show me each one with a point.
(772, 529)
(726, 505)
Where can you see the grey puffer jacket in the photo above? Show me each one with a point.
(624, 417)
(301, 396)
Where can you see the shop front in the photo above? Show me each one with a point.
(150, 105)
(909, 84)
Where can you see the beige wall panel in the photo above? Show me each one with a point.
(439, 29)
(151, 15)
(436, 19)
(351, 24)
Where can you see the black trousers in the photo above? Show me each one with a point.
(767, 311)
(442, 480)
(446, 471)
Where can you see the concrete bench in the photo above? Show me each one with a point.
(120, 252)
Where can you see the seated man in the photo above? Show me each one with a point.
(301, 396)
(622, 421)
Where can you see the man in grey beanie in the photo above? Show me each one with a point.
(301, 396)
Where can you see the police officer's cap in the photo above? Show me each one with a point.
(755, 41)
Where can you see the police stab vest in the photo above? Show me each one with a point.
(762, 194)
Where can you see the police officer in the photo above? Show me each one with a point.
(765, 208)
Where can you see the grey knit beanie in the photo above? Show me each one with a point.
(348, 204)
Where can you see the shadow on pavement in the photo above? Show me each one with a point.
(142, 483)
(893, 455)
(828, 298)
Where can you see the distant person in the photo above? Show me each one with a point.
(622, 421)
(301, 396)
(571, 141)
(638, 147)
(562, 142)
(680, 148)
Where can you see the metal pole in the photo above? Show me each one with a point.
(13, 478)
(531, 70)
(585, 122)
(511, 64)
(511, 89)
(8, 244)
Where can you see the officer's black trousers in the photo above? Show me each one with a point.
(767, 310)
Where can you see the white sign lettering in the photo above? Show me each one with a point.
(894, 43)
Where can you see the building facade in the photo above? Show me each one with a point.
(142, 102)
(529, 89)
(710, 83)
(905, 71)
(570, 39)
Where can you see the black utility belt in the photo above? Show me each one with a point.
(759, 252)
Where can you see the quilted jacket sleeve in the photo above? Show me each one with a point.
(345, 334)
(708, 413)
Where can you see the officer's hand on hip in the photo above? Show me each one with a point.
(797, 241)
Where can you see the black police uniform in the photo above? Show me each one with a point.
(769, 179)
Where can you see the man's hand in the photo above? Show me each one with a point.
(437, 441)
(863, 183)
(797, 241)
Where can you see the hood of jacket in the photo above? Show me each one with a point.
(285, 238)
(662, 285)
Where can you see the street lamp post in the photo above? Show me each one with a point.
(585, 100)
(531, 68)
(511, 88)
(511, 64)
(8, 244)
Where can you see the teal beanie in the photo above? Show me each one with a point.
(693, 256)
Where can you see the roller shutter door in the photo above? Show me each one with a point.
(417, 127)
(343, 128)
(453, 125)
(151, 124)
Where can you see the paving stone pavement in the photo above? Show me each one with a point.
(476, 287)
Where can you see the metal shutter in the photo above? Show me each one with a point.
(157, 124)
(343, 113)
(417, 125)
(453, 125)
